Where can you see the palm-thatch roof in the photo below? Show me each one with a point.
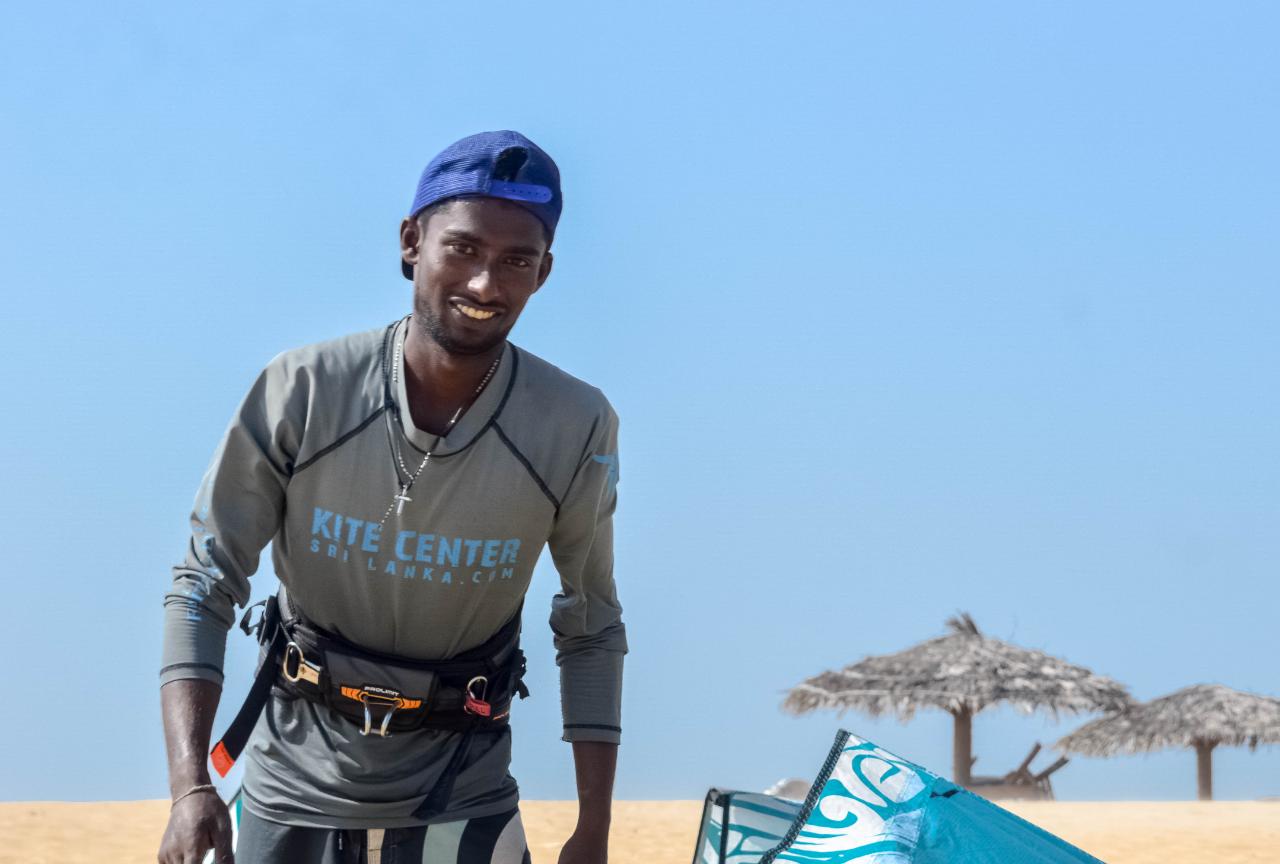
(1202, 714)
(961, 673)
(1200, 717)
(964, 671)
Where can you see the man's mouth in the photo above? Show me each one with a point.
(473, 312)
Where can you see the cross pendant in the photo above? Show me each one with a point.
(401, 499)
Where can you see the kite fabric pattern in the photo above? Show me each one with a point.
(739, 827)
(868, 806)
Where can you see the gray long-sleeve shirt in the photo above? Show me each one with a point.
(308, 463)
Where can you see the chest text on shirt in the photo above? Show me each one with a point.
(411, 554)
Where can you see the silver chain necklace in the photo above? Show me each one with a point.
(402, 497)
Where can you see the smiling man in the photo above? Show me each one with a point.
(408, 479)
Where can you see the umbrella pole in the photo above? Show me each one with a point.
(962, 746)
(1204, 769)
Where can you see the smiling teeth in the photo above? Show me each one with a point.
(478, 314)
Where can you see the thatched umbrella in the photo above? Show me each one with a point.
(962, 673)
(1200, 717)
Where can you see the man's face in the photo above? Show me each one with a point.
(476, 262)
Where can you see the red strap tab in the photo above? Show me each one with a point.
(221, 759)
(478, 706)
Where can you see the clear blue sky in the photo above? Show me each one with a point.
(906, 309)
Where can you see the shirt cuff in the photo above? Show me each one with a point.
(188, 671)
(591, 732)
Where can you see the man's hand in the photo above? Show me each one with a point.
(594, 763)
(586, 846)
(197, 823)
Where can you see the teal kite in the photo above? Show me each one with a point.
(868, 806)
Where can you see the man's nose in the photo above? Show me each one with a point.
(482, 285)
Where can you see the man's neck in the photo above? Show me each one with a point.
(438, 382)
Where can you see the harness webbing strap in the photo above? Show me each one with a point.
(438, 798)
(228, 750)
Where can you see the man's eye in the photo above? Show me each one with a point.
(518, 262)
(463, 248)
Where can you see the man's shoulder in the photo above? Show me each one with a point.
(355, 352)
(556, 392)
(555, 422)
(325, 387)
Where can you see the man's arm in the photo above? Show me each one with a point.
(237, 511)
(199, 820)
(590, 638)
(594, 764)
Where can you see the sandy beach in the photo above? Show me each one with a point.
(663, 832)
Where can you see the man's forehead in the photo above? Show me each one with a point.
(491, 219)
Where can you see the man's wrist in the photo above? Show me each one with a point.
(594, 817)
(594, 837)
(188, 778)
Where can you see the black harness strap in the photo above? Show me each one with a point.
(438, 798)
(228, 750)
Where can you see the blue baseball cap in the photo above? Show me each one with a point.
(496, 165)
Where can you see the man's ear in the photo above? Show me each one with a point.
(410, 240)
(544, 269)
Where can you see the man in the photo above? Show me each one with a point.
(408, 479)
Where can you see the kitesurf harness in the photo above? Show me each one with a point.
(380, 693)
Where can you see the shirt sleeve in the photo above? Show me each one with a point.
(586, 618)
(237, 511)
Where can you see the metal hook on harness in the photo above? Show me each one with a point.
(477, 704)
(386, 721)
(302, 668)
(389, 699)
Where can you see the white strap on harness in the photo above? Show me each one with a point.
(373, 848)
